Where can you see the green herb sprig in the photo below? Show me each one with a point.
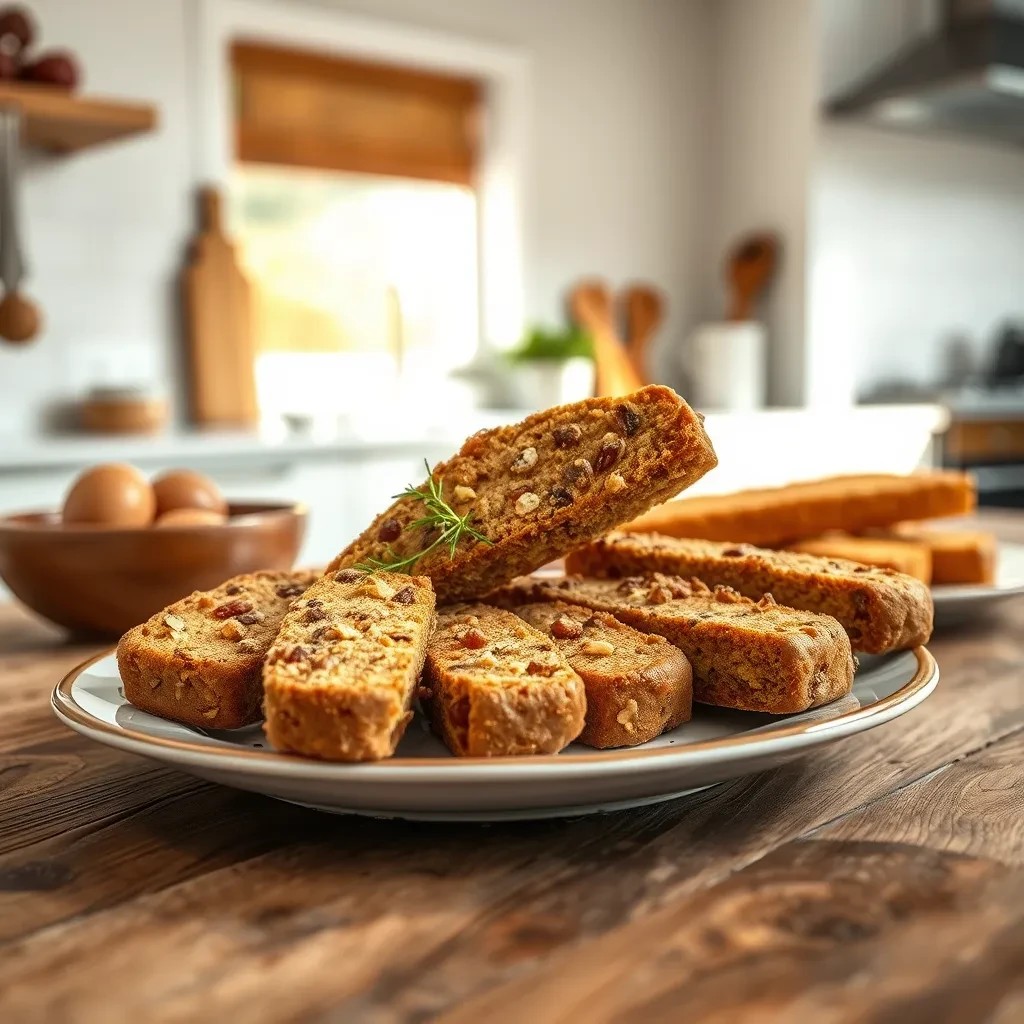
(440, 516)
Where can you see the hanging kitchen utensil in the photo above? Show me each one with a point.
(749, 268)
(590, 306)
(643, 309)
(217, 302)
(20, 319)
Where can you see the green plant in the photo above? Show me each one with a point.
(440, 516)
(554, 345)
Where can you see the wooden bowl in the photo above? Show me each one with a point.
(101, 581)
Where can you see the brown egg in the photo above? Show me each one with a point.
(184, 488)
(113, 494)
(191, 517)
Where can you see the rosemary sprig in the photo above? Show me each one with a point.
(440, 516)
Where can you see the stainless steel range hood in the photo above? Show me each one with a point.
(967, 77)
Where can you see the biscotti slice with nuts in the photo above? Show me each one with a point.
(775, 516)
(517, 497)
(340, 677)
(752, 656)
(200, 660)
(638, 685)
(495, 686)
(880, 610)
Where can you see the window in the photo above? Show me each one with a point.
(354, 210)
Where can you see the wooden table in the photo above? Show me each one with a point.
(877, 880)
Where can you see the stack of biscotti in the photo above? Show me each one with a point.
(200, 660)
(514, 499)
(750, 655)
(340, 676)
(536, 490)
(880, 610)
(878, 520)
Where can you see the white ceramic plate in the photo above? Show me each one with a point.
(424, 781)
(956, 603)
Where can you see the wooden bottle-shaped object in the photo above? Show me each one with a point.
(218, 322)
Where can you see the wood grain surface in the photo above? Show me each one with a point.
(880, 879)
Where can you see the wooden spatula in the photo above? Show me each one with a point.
(590, 306)
(643, 310)
(748, 269)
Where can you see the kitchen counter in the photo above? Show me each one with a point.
(778, 444)
(879, 879)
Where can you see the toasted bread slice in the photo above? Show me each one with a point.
(881, 610)
(199, 660)
(904, 556)
(752, 656)
(537, 489)
(638, 685)
(776, 516)
(340, 676)
(958, 556)
(495, 686)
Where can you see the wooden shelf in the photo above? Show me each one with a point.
(62, 122)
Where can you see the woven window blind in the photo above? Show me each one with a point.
(307, 109)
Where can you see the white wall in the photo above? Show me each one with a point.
(914, 240)
(765, 94)
(104, 229)
(614, 184)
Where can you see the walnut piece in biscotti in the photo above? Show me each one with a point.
(340, 677)
(539, 488)
(751, 655)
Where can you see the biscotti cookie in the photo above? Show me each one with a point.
(881, 610)
(958, 556)
(199, 661)
(495, 686)
(776, 516)
(904, 556)
(638, 685)
(518, 497)
(340, 677)
(752, 656)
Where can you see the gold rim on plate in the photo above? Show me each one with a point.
(68, 708)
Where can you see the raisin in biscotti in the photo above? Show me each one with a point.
(199, 661)
(776, 516)
(340, 677)
(495, 686)
(537, 489)
(752, 656)
(880, 610)
(637, 684)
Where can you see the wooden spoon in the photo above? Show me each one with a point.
(644, 310)
(590, 306)
(19, 317)
(748, 269)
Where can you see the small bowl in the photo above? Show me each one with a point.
(101, 581)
